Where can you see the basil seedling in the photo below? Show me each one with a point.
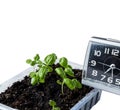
(67, 68)
(63, 72)
(43, 68)
(70, 83)
(53, 104)
(36, 60)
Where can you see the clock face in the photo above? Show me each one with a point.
(104, 63)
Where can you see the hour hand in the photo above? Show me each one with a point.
(104, 64)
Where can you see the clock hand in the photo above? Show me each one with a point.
(112, 73)
(107, 70)
(108, 65)
(117, 68)
(104, 64)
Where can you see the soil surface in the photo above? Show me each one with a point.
(23, 96)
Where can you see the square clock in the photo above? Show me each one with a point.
(102, 64)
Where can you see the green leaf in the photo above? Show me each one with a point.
(32, 74)
(37, 74)
(33, 63)
(42, 72)
(39, 63)
(49, 69)
(69, 83)
(34, 80)
(60, 72)
(77, 83)
(63, 62)
(42, 80)
(29, 61)
(69, 66)
(50, 59)
(59, 82)
(52, 103)
(69, 71)
(37, 57)
(56, 108)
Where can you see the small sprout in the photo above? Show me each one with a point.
(50, 59)
(53, 104)
(63, 62)
(70, 83)
(36, 60)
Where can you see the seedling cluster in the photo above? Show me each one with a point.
(65, 71)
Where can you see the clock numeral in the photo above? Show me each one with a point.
(103, 77)
(110, 80)
(117, 82)
(107, 51)
(94, 72)
(97, 53)
(115, 52)
(93, 63)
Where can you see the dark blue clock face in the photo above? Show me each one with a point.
(104, 63)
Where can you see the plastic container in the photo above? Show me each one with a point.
(85, 103)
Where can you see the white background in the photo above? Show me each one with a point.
(59, 26)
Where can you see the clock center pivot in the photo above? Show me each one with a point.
(112, 66)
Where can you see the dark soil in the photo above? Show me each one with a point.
(23, 96)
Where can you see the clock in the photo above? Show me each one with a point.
(101, 67)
